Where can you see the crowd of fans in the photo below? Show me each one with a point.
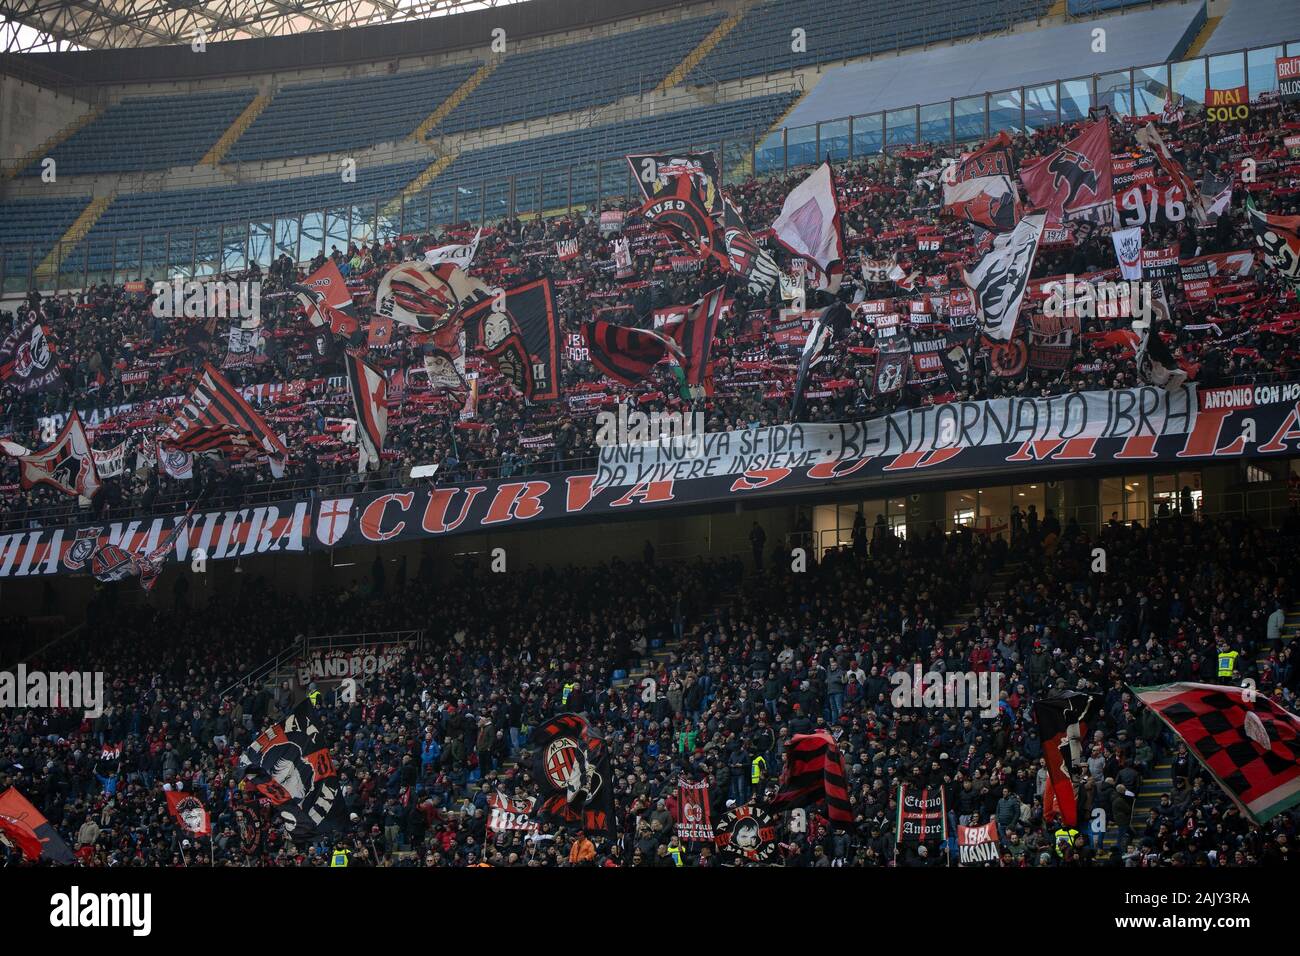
(742, 658)
(106, 333)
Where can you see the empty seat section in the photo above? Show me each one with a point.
(577, 76)
(312, 118)
(583, 150)
(153, 132)
(29, 228)
(788, 34)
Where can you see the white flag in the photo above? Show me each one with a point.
(809, 224)
(1128, 250)
(999, 280)
(460, 255)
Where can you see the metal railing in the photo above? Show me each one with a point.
(302, 646)
(302, 235)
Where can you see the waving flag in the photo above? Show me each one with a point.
(27, 362)
(627, 355)
(325, 299)
(1062, 728)
(425, 296)
(814, 772)
(25, 827)
(290, 765)
(1249, 744)
(1149, 137)
(1279, 237)
(809, 224)
(1076, 181)
(189, 813)
(459, 255)
(744, 256)
(67, 465)
(999, 280)
(216, 418)
(979, 189)
(369, 392)
(519, 333)
(573, 767)
(693, 175)
(694, 336)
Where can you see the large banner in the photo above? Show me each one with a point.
(1003, 440)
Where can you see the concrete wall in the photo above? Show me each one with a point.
(29, 115)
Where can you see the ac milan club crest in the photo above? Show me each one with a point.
(82, 548)
(746, 834)
(574, 765)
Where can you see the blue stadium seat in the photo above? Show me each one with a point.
(834, 30)
(578, 76)
(148, 132)
(314, 118)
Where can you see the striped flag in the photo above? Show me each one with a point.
(814, 771)
(67, 465)
(626, 355)
(216, 418)
(695, 335)
(369, 392)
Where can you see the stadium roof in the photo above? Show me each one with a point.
(57, 25)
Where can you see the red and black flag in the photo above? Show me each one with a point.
(744, 257)
(573, 766)
(814, 771)
(680, 174)
(624, 354)
(688, 206)
(426, 296)
(1150, 138)
(24, 827)
(327, 303)
(189, 812)
(1279, 237)
(1062, 728)
(67, 465)
(1249, 744)
(27, 361)
(369, 391)
(290, 765)
(1076, 181)
(692, 815)
(695, 333)
(149, 565)
(518, 331)
(215, 417)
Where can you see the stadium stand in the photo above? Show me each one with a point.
(745, 657)
(1253, 23)
(133, 214)
(35, 224)
(165, 130)
(994, 63)
(313, 118)
(577, 76)
(844, 29)
(741, 648)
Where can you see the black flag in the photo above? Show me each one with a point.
(573, 765)
(290, 765)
